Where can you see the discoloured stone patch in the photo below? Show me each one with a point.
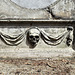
(50, 66)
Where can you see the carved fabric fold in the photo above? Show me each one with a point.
(53, 41)
(12, 40)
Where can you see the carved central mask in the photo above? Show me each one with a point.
(34, 36)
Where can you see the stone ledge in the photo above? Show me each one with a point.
(36, 53)
(37, 22)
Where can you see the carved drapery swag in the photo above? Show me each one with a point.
(12, 40)
(19, 38)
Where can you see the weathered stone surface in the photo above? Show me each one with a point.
(15, 50)
(64, 8)
(42, 49)
(23, 49)
(33, 4)
(10, 10)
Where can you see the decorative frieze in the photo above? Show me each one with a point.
(33, 35)
(32, 30)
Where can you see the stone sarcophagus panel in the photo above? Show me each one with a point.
(36, 29)
(36, 39)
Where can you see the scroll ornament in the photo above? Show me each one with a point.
(34, 34)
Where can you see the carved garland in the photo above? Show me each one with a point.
(33, 36)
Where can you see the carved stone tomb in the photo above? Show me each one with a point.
(37, 28)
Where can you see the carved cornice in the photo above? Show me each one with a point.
(39, 22)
